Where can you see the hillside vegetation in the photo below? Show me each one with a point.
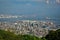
(6, 35)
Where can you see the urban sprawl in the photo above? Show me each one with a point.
(31, 27)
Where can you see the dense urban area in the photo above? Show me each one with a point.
(28, 29)
(7, 35)
(29, 20)
(36, 28)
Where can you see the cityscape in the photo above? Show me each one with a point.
(32, 27)
(29, 19)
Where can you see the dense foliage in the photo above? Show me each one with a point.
(6, 35)
(53, 35)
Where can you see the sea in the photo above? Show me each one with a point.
(32, 10)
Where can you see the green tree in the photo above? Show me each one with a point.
(53, 35)
(7, 35)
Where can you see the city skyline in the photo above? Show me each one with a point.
(29, 19)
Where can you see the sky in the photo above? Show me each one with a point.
(38, 8)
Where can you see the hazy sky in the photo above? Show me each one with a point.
(30, 7)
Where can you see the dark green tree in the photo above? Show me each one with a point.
(53, 35)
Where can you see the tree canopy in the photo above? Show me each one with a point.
(53, 35)
(6, 35)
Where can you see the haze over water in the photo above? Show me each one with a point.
(32, 9)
